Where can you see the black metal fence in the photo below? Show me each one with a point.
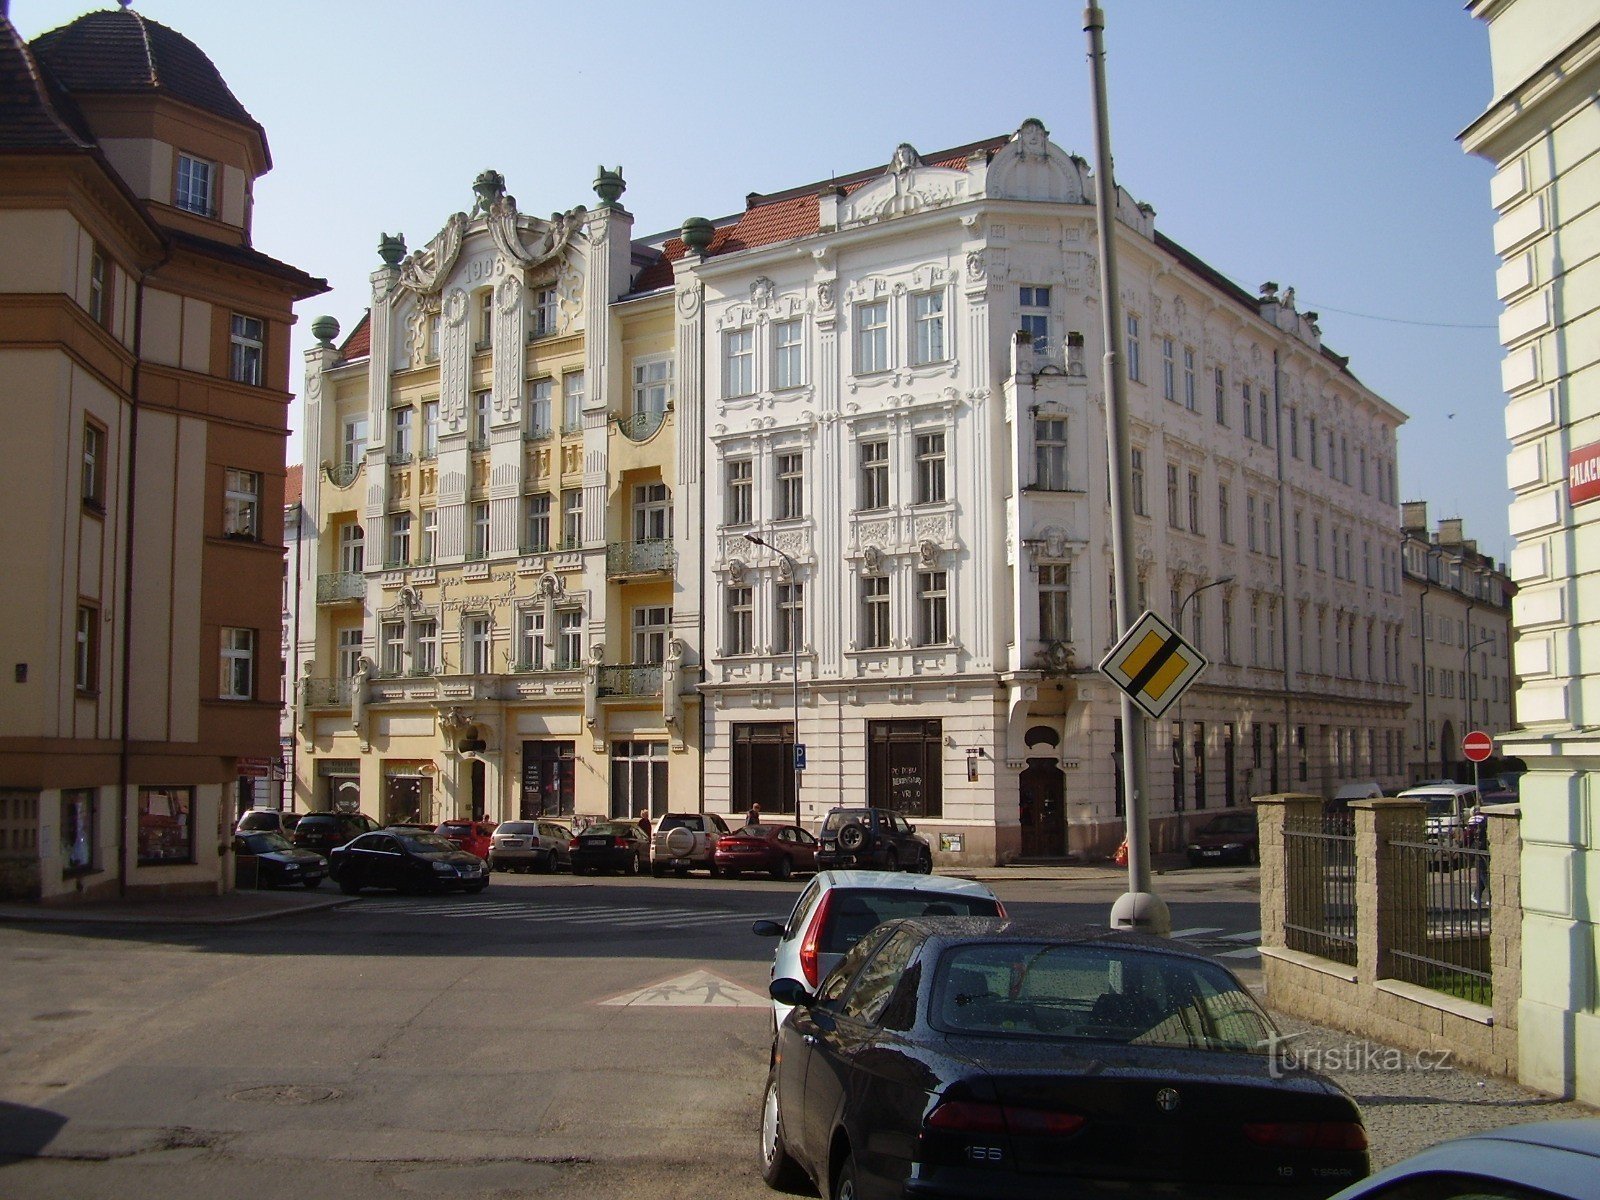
(1441, 928)
(1320, 886)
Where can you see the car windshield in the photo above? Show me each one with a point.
(1096, 993)
(753, 831)
(853, 913)
(611, 829)
(265, 843)
(840, 817)
(678, 823)
(266, 820)
(426, 843)
(519, 827)
(1439, 806)
(1236, 823)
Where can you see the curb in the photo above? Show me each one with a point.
(132, 916)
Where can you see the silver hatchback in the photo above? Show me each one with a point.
(529, 846)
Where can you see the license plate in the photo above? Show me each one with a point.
(513, 843)
(1211, 853)
(596, 841)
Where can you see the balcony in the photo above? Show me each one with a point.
(542, 546)
(547, 665)
(630, 680)
(571, 428)
(400, 458)
(539, 433)
(341, 475)
(337, 587)
(631, 559)
(328, 691)
(641, 426)
(478, 445)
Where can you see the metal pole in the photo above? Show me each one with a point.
(1139, 907)
(1183, 737)
(794, 663)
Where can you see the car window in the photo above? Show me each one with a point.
(840, 817)
(265, 843)
(802, 910)
(785, 835)
(838, 980)
(424, 843)
(718, 822)
(366, 842)
(804, 837)
(1449, 1185)
(519, 827)
(876, 980)
(857, 911)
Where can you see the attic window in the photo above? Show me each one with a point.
(195, 186)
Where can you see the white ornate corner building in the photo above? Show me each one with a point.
(906, 509)
(493, 476)
(1541, 130)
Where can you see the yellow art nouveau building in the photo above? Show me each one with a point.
(503, 625)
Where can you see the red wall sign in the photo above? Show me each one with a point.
(1583, 474)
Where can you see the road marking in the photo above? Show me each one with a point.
(1253, 936)
(697, 989)
(1197, 931)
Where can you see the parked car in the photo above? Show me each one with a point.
(872, 837)
(263, 820)
(472, 836)
(610, 846)
(968, 1057)
(1227, 837)
(411, 827)
(530, 846)
(779, 850)
(268, 859)
(1363, 789)
(1547, 1159)
(1450, 807)
(322, 831)
(407, 862)
(838, 908)
(684, 842)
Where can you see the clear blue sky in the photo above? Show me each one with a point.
(1311, 144)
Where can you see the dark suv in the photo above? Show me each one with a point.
(872, 837)
(322, 831)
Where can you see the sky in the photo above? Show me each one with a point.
(1309, 144)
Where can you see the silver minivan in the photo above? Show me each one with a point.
(1450, 807)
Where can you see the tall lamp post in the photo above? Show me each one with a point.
(1182, 728)
(1472, 683)
(794, 663)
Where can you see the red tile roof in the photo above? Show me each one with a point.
(293, 482)
(359, 343)
(35, 113)
(784, 216)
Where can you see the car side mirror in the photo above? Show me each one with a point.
(767, 928)
(791, 992)
(911, 827)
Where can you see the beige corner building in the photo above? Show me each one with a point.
(144, 346)
(498, 616)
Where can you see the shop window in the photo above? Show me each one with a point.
(80, 848)
(904, 767)
(549, 787)
(166, 825)
(763, 767)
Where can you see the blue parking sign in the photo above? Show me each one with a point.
(800, 757)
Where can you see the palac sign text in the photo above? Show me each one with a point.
(1583, 474)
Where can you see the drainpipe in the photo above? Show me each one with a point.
(1283, 569)
(125, 733)
(294, 649)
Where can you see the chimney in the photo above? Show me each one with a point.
(1414, 518)
(1450, 531)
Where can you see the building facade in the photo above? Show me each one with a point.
(504, 589)
(907, 516)
(1458, 646)
(1542, 132)
(144, 344)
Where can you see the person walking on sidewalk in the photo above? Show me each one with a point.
(753, 817)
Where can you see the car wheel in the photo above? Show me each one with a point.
(784, 869)
(853, 836)
(657, 870)
(1253, 856)
(477, 887)
(778, 1170)
(349, 885)
(891, 861)
(310, 884)
(545, 866)
(716, 871)
(633, 865)
(844, 1180)
(1194, 860)
(924, 863)
(680, 872)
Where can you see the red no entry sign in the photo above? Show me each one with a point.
(1477, 746)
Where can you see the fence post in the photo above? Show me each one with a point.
(1505, 912)
(1391, 903)
(1281, 902)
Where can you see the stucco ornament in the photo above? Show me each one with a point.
(977, 269)
(507, 227)
(872, 560)
(302, 703)
(358, 700)
(905, 158)
(761, 292)
(1033, 138)
(428, 268)
(591, 686)
(671, 699)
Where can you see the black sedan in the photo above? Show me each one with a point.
(408, 862)
(977, 1057)
(610, 846)
(271, 860)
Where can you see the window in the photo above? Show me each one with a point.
(1224, 517)
(245, 343)
(541, 403)
(930, 468)
(1050, 453)
(430, 429)
(927, 313)
(763, 764)
(651, 627)
(477, 655)
(1137, 457)
(399, 539)
(1133, 348)
(1316, 541)
(1311, 440)
(478, 547)
(241, 505)
(347, 649)
(1220, 381)
(1349, 559)
(1055, 602)
(352, 549)
(788, 355)
(791, 617)
(433, 338)
(86, 650)
(536, 524)
(93, 482)
(741, 620)
(933, 608)
(195, 192)
(1194, 502)
(573, 385)
(482, 407)
(1255, 632)
(400, 434)
(1366, 562)
(485, 320)
(238, 664)
(1251, 539)
(1174, 517)
(1227, 629)
(426, 660)
(1036, 323)
(354, 442)
(739, 362)
(1169, 370)
(1299, 541)
(1190, 401)
(740, 491)
(652, 512)
(80, 822)
(791, 487)
(530, 639)
(545, 312)
(1269, 538)
(99, 287)
(872, 337)
(1266, 425)
(1344, 459)
(1249, 421)
(430, 535)
(1361, 460)
(875, 611)
(904, 768)
(874, 475)
(1294, 431)
(638, 779)
(569, 647)
(571, 518)
(166, 825)
(652, 386)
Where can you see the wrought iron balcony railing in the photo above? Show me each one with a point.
(634, 679)
(641, 426)
(640, 558)
(341, 474)
(337, 586)
(327, 691)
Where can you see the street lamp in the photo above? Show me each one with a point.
(1472, 683)
(794, 662)
(1182, 728)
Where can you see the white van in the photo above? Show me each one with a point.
(1450, 807)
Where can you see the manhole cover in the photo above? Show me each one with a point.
(285, 1093)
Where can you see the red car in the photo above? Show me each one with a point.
(471, 836)
(779, 850)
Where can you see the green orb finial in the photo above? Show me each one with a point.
(325, 329)
(609, 185)
(697, 233)
(392, 248)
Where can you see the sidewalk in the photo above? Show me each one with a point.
(1102, 871)
(233, 908)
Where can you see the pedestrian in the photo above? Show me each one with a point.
(1478, 839)
(753, 817)
(644, 822)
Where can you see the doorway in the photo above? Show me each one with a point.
(1041, 802)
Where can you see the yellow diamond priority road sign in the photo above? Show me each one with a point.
(1153, 664)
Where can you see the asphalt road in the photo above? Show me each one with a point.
(553, 1033)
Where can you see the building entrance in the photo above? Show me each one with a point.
(1042, 804)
